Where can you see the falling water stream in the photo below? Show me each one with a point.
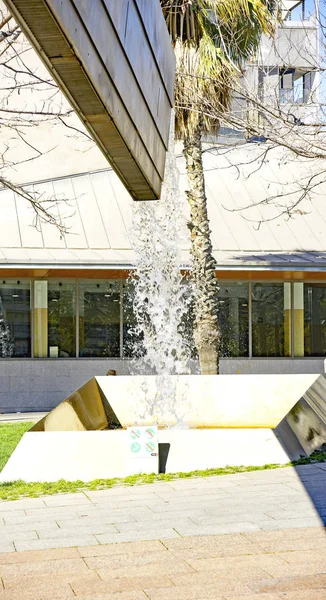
(161, 296)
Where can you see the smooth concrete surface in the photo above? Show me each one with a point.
(205, 400)
(30, 385)
(82, 455)
(88, 455)
(256, 502)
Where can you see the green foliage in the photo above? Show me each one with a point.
(10, 434)
(212, 40)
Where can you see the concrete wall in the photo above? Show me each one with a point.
(40, 384)
(263, 366)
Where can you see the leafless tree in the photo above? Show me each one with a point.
(29, 99)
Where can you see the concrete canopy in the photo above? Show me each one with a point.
(115, 64)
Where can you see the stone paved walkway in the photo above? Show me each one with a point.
(255, 536)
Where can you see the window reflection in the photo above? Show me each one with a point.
(61, 319)
(15, 330)
(315, 319)
(233, 319)
(271, 319)
(99, 319)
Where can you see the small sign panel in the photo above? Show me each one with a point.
(143, 441)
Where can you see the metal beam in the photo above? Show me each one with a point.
(115, 64)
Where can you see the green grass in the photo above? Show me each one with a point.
(10, 435)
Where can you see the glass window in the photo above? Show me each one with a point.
(271, 319)
(61, 319)
(315, 319)
(15, 328)
(99, 319)
(233, 315)
(132, 338)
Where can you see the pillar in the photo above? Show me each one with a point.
(40, 319)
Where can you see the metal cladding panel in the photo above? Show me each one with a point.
(115, 64)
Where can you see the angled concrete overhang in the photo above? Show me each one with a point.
(115, 64)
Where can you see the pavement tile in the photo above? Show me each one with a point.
(304, 556)
(118, 596)
(220, 543)
(123, 548)
(124, 584)
(163, 566)
(290, 534)
(124, 560)
(39, 581)
(85, 521)
(197, 592)
(146, 525)
(135, 536)
(25, 503)
(290, 545)
(70, 532)
(256, 597)
(55, 543)
(290, 584)
(61, 592)
(216, 529)
(288, 523)
(71, 565)
(232, 564)
(38, 555)
(303, 595)
(18, 535)
(6, 546)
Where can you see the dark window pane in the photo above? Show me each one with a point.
(233, 319)
(99, 319)
(271, 319)
(61, 319)
(132, 337)
(15, 330)
(315, 319)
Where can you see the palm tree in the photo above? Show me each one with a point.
(211, 39)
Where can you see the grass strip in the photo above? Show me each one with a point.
(11, 433)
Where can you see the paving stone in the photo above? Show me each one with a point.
(55, 543)
(288, 523)
(123, 548)
(216, 529)
(164, 566)
(124, 560)
(36, 555)
(70, 565)
(18, 534)
(221, 543)
(197, 592)
(118, 585)
(290, 584)
(148, 525)
(140, 595)
(290, 534)
(82, 530)
(134, 536)
(24, 504)
(29, 526)
(6, 546)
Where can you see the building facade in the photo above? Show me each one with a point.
(65, 309)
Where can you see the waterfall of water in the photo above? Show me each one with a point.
(161, 296)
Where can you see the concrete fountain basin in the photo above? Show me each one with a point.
(208, 421)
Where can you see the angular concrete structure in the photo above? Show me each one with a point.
(226, 420)
(115, 64)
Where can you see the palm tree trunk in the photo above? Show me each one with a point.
(206, 288)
